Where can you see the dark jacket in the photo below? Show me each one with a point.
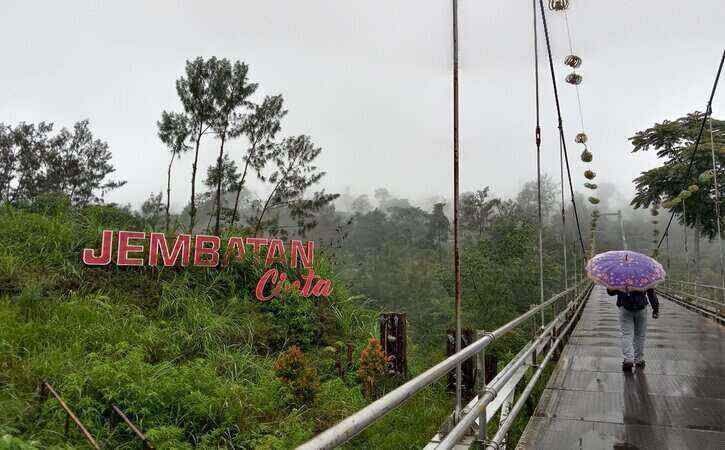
(635, 301)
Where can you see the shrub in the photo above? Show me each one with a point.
(295, 371)
(8, 442)
(187, 353)
(373, 367)
(167, 437)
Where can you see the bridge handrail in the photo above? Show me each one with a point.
(504, 426)
(696, 297)
(690, 283)
(467, 421)
(715, 315)
(349, 427)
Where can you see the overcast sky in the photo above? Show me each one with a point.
(369, 80)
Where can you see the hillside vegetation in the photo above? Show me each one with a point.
(186, 353)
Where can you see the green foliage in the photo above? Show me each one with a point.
(195, 362)
(188, 355)
(674, 143)
(373, 367)
(8, 442)
(477, 211)
(72, 163)
(295, 371)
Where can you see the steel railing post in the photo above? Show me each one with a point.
(481, 387)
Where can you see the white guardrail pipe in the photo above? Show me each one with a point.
(466, 422)
(503, 428)
(346, 429)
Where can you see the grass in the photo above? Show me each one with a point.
(186, 354)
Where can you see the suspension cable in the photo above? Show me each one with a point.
(717, 202)
(561, 126)
(538, 166)
(708, 110)
(684, 232)
(563, 214)
(456, 204)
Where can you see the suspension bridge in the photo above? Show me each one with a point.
(676, 402)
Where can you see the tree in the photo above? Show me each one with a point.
(411, 226)
(8, 160)
(173, 131)
(72, 163)
(294, 174)
(438, 226)
(30, 146)
(361, 205)
(386, 201)
(476, 210)
(195, 93)
(260, 128)
(528, 202)
(151, 209)
(674, 142)
(227, 181)
(230, 91)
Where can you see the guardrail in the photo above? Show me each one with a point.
(702, 298)
(573, 298)
(568, 316)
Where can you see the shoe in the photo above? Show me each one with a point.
(627, 366)
(640, 365)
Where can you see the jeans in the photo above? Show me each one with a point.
(634, 329)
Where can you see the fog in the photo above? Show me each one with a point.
(369, 81)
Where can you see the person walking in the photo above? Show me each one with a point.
(633, 324)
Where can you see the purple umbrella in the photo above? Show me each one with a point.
(625, 271)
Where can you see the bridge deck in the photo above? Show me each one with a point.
(676, 402)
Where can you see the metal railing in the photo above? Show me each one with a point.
(703, 298)
(346, 429)
(706, 292)
(568, 316)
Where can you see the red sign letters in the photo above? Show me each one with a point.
(206, 253)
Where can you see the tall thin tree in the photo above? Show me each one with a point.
(231, 90)
(194, 90)
(174, 132)
(295, 172)
(260, 128)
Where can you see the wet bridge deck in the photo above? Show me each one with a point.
(676, 402)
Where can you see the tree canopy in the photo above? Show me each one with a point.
(674, 143)
(34, 161)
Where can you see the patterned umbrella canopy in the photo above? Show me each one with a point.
(625, 271)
